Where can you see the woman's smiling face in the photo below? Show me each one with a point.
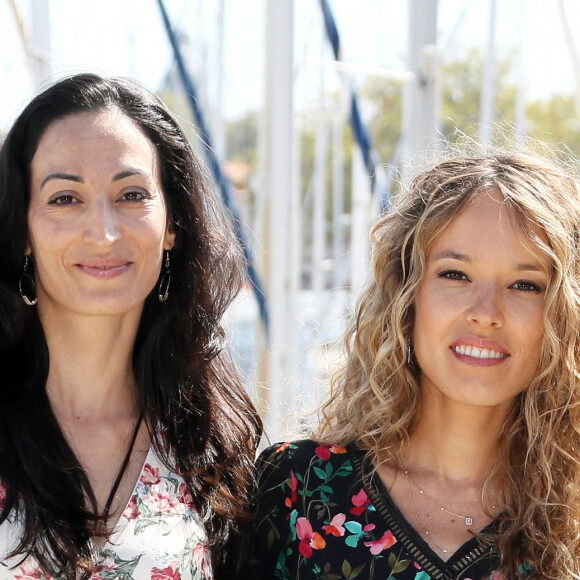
(97, 221)
(479, 310)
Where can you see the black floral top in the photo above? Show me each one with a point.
(324, 514)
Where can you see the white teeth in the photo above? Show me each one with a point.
(477, 352)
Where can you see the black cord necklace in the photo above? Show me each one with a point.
(102, 527)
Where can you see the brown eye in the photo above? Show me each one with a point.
(63, 199)
(526, 286)
(453, 275)
(134, 195)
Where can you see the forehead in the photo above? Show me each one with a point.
(91, 138)
(489, 217)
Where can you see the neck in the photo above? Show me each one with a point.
(91, 374)
(454, 443)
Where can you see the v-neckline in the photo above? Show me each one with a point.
(404, 531)
(120, 526)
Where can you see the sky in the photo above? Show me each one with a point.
(126, 37)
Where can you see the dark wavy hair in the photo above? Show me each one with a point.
(187, 383)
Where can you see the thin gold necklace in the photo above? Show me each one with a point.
(467, 519)
(425, 530)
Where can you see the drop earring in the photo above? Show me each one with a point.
(163, 290)
(26, 284)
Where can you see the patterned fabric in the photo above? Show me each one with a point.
(158, 537)
(324, 514)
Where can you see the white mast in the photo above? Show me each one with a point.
(41, 65)
(488, 92)
(278, 181)
(420, 102)
(520, 79)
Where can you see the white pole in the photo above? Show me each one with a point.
(361, 199)
(279, 107)
(520, 86)
(569, 35)
(337, 198)
(295, 226)
(420, 101)
(41, 66)
(488, 91)
(217, 106)
(319, 218)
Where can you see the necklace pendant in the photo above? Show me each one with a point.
(468, 521)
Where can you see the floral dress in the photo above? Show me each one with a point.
(159, 536)
(324, 514)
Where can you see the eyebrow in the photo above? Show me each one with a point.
(65, 176)
(79, 179)
(451, 254)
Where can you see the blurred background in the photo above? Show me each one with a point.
(307, 113)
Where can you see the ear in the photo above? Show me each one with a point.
(169, 240)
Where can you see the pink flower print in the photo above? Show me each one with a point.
(161, 503)
(131, 511)
(202, 560)
(109, 563)
(324, 451)
(360, 502)
(385, 542)
(283, 447)
(185, 496)
(309, 540)
(293, 494)
(169, 573)
(3, 495)
(150, 475)
(335, 527)
(29, 570)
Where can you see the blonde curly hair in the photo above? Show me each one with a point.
(375, 398)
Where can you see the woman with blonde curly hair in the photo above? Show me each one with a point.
(450, 444)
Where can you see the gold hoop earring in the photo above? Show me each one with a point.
(163, 290)
(27, 279)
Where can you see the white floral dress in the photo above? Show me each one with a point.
(158, 537)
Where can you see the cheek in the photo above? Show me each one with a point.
(426, 325)
(154, 223)
(536, 336)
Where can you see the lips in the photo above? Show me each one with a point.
(104, 268)
(477, 352)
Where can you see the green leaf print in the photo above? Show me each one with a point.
(117, 568)
(153, 521)
(349, 573)
(397, 565)
(320, 472)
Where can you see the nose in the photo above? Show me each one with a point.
(102, 223)
(486, 308)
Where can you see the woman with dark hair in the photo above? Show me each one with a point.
(449, 445)
(126, 436)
